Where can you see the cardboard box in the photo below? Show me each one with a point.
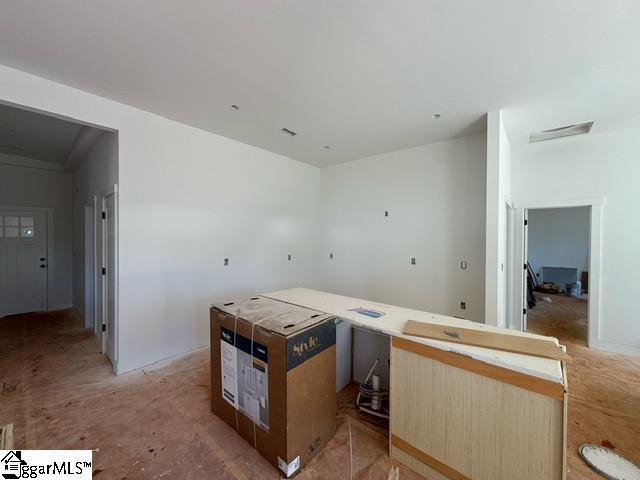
(280, 397)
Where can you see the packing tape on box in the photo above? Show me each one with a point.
(255, 440)
(235, 329)
(235, 333)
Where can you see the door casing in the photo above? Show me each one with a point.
(109, 280)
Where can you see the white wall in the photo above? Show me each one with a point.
(189, 198)
(559, 237)
(96, 175)
(596, 165)
(498, 194)
(435, 195)
(36, 187)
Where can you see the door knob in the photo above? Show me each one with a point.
(43, 266)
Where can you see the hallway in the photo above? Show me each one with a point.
(61, 393)
(603, 387)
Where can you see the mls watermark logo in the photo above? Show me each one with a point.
(46, 464)
(12, 463)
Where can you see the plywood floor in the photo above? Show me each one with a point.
(604, 388)
(60, 392)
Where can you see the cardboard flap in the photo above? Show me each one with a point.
(273, 315)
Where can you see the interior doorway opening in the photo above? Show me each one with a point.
(557, 273)
(58, 247)
(566, 253)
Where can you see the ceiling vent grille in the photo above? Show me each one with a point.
(568, 131)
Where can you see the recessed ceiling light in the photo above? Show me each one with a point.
(568, 131)
(436, 116)
(234, 107)
(288, 132)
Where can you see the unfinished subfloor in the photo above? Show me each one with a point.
(603, 387)
(59, 392)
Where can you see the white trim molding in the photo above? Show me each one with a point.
(615, 347)
(561, 203)
(595, 264)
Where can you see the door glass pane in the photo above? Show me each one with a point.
(11, 221)
(26, 232)
(10, 231)
(26, 221)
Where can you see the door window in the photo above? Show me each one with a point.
(11, 226)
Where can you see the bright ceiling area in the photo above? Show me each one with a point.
(359, 77)
(37, 136)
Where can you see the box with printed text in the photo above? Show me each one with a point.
(273, 377)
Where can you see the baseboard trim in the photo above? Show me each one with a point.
(614, 347)
(77, 310)
(162, 362)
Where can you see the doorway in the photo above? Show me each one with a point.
(557, 273)
(560, 232)
(64, 170)
(23, 260)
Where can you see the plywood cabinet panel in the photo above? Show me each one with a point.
(479, 427)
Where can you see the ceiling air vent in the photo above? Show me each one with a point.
(289, 132)
(568, 131)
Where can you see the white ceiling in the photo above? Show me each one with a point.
(33, 135)
(363, 76)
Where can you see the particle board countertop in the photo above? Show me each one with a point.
(390, 320)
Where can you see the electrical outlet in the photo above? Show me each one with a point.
(463, 265)
(386, 213)
(413, 261)
(331, 256)
(289, 257)
(226, 262)
(463, 305)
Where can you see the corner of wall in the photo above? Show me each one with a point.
(498, 193)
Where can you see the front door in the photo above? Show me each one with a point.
(23, 261)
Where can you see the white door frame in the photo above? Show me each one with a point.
(97, 262)
(516, 291)
(595, 254)
(104, 284)
(49, 219)
(89, 229)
